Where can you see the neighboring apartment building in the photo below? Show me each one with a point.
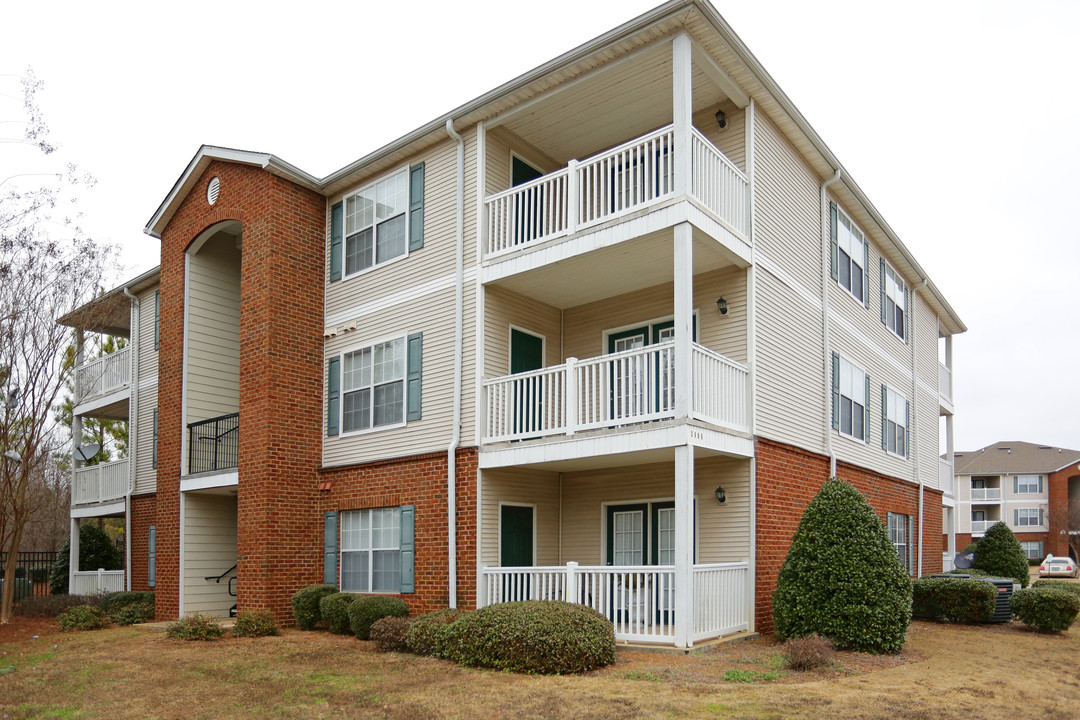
(598, 335)
(1027, 486)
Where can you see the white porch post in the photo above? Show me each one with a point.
(73, 555)
(949, 453)
(682, 100)
(684, 543)
(684, 319)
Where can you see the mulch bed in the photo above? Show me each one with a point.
(25, 628)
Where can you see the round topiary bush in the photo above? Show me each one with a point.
(305, 605)
(334, 609)
(366, 609)
(536, 636)
(1047, 609)
(428, 634)
(842, 577)
(1000, 555)
(389, 633)
(953, 599)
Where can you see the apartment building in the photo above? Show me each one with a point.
(1029, 487)
(598, 335)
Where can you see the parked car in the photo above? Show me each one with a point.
(1057, 566)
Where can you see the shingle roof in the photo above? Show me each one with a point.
(1014, 457)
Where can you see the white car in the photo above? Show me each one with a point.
(1057, 566)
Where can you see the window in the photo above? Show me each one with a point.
(894, 422)
(371, 550)
(898, 535)
(849, 254)
(1033, 549)
(151, 556)
(1027, 484)
(893, 300)
(373, 386)
(851, 399)
(153, 456)
(1027, 517)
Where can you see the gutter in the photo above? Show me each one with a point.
(825, 282)
(455, 438)
(133, 428)
(915, 414)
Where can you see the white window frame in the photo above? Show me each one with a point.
(891, 423)
(370, 550)
(898, 288)
(346, 233)
(404, 339)
(845, 223)
(898, 524)
(1036, 545)
(1023, 481)
(861, 402)
(1024, 517)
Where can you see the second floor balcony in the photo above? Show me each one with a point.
(102, 382)
(103, 483)
(214, 444)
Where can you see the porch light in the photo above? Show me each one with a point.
(720, 496)
(721, 119)
(721, 305)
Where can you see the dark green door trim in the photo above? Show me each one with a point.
(643, 508)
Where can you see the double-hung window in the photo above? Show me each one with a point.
(893, 300)
(371, 550)
(849, 254)
(894, 422)
(1033, 549)
(898, 535)
(1027, 484)
(1027, 517)
(851, 399)
(376, 220)
(373, 386)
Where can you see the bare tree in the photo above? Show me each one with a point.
(1067, 518)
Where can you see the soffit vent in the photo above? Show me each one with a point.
(212, 190)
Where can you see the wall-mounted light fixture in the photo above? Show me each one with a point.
(720, 496)
(721, 305)
(721, 119)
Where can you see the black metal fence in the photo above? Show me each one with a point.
(32, 572)
(214, 444)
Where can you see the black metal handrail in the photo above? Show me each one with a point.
(214, 444)
(217, 578)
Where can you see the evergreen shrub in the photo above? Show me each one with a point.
(389, 633)
(366, 609)
(953, 599)
(305, 605)
(1001, 555)
(334, 609)
(1046, 609)
(195, 627)
(255, 623)
(429, 633)
(83, 617)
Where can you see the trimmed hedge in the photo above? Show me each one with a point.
(1047, 609)
(429, 634)
(334, 609)
(842, 577)
(536, 636)
(305, 605)
(366, 609)
(389, 633)
(1073, 588)
(1000, 554)
(953, 599)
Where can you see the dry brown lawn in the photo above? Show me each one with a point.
(945, 672)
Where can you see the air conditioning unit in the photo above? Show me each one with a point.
(1005, 589)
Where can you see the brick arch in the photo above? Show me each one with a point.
(217, 217)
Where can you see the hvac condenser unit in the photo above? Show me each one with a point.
(1005, 588)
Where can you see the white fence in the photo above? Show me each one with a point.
(100, 483)
(986, 494)
(979, 527)
(944, 375)
(623, 388)
(103, 375)
(947, 562)
(638, 600)
(95, 582)
(613, 183)
(945, 477)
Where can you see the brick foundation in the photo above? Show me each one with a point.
(787, 480)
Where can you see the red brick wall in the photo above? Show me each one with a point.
(1057, 486)
(421, 481)
(281, 280)
(143, 515)
(787, 480)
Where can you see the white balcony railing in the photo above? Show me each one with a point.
(616, 182)
(979, 494)
(99, 483)
(944, 375)
(945, 477)
(639, 600)
(103, 375)
(624, 388)
(96, 582)
(947, 562)
(979, 527)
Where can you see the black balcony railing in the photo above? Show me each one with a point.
(214, 444)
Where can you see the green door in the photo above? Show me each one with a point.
(527, 353)
(516, 533)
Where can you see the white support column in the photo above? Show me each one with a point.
(73, 555)
(684, 545)
(950, 454)
(684, 319)
(682, 106)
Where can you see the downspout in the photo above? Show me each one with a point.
(455, 438)
(826, 363)
(133, 430)
(915, 414)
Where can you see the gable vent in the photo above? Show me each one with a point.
(212, 190)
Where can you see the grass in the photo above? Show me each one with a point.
(946, 672)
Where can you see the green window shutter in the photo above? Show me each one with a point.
(1016, 484)
(151, 557)
(1040, 484)
(866, 412)
(881, 290)
(866, 273)
(1016, 518)
(911, 544)
(834, 255)
(884, 418)
(157, 319)
(1040, 516)
(333, 395)
(335, 242)
(416, 207)
(408, 548)
(414, 385)
(153, 457)
(330, 548)
(904, 326)
(907, 429)
(835, 391)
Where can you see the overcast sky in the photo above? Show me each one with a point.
(957, 118)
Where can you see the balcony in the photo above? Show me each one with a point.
(979, 527)
(214, 444)
(611, 391)
(945, 383)
(945, 478)
(629, 178)
(985, 494)
(100, 382)
(107, 482)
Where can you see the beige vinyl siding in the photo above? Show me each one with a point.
(521, 486)
(732, 139)
(213, 331)
(209, 549)
(500, 146)
(505, 308)
(927, 424)
(145, 473)
(148, 354)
